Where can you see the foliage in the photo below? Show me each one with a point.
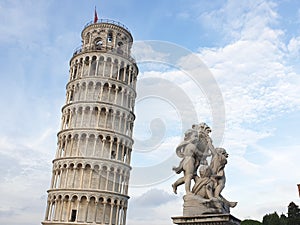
(283, 219)
(292, 218)
(250, 222)
(293, 214)
(271, 219)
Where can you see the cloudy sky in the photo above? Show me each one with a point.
(248, 92)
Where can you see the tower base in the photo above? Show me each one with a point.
(209, 219)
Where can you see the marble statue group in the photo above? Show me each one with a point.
(203, 177)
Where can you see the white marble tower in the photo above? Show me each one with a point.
(92, 163)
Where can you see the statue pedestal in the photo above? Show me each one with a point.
(209, 219)
(195, 205)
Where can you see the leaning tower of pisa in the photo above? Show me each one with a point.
(92, 163)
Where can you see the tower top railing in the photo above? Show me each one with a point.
(108, 21)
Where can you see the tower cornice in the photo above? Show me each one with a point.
(106, 23)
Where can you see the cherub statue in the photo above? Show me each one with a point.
(193, 150)
(217, 164)
(187, 150)
(205, 142)
(204, 184)
(205, 195)
(212, 178)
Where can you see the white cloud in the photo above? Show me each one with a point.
(23, 182)
(239, 19)
(276, 177)
(154, 206)
(153, 197)
(253, 79)
(144, 51)
(294, 46)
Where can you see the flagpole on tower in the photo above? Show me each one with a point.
(95, 16)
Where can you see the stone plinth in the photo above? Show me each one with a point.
(210, 219)
(195, 205)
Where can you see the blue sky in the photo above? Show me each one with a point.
(252, 50)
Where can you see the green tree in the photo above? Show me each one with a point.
(283, 219)
(293, 214)
(271, 219)
(250, 222)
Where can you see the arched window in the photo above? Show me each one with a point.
(71, 95)
(87, 38)
(98, 43)
(73, 215)
(93, 66)
(120, 49)
(109, 37)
